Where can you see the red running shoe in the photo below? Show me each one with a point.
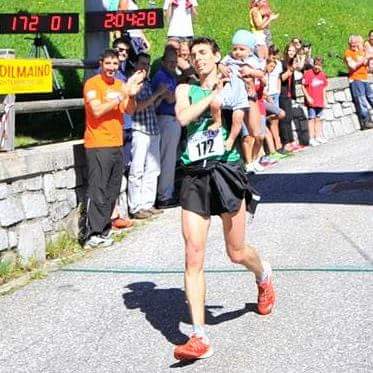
(120, 223)
(266, 297)
(194, 349)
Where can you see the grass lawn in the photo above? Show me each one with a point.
(324, 23)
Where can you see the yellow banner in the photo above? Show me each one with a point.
(25, 76)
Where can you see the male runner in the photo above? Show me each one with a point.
(214, 184)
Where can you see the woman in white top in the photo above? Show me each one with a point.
(180, 13)
(139, 40)
(272, 92)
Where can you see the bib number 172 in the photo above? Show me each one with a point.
(205, 144)
(205, 147)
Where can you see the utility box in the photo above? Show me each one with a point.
(7, 113)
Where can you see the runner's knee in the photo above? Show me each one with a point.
(194, 254)
(236, 253)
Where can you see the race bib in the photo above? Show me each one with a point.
(205, 144)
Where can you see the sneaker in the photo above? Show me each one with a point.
(96, 241)
(296, 148)
(276, 156)
(121, 223)
(267, 161)
(285, 152)
(314, 142)
(322, 140)
(142, 214)
(155, 211)
(249, 167)
(266, 296)
(257, 166)
(194, 349)
(167, 204)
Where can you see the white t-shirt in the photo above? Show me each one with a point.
(181, 19)
(273, 87)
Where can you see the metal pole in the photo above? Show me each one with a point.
(7, 115)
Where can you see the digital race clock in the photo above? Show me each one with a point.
(124, 20)
(24, 23)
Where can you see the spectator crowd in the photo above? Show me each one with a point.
(134, 141)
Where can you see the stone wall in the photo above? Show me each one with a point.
(41, 188)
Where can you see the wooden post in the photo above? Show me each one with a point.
(7, 116)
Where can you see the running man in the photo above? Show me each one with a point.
(214, 184)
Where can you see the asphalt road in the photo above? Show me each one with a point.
(123, 309)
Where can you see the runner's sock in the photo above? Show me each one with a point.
(267, 271)
(199, 331)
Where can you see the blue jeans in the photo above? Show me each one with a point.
(362, 93)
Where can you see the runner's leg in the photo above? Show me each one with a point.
(238, 251)
(195, 229)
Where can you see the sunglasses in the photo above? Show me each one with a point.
(122, 49)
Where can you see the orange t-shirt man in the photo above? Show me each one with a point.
(361, 73)
(106, 130)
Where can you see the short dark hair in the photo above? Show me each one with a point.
(118, 41)
(318, 59)
(205, 40)
(169, 49)
(273, 50)
(108, 53)
(143, 55)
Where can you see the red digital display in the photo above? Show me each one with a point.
(124, 20)
(25, 23)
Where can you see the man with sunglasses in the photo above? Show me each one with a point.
(120, 219)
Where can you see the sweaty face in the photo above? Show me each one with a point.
(203, 59)
(109, 66)
(240, 52)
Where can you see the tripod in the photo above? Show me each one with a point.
(38, 50)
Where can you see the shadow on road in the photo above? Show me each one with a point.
(166, 308)
(347, 188)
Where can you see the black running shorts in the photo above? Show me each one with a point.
(216, 187)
